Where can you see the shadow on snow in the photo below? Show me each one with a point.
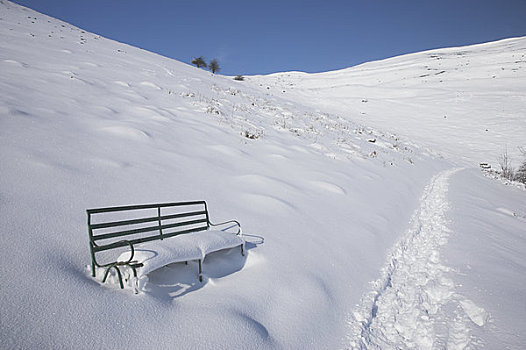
(178, 279)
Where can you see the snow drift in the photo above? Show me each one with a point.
(325, 172)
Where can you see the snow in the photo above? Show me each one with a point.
(461, 102)
(487, 255)
(355, 218)
(407, 303)
(416, 304)
(196, 246)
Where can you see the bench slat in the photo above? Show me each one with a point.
(144, 220)
(146, 239)
(147, 229)
(142, 206)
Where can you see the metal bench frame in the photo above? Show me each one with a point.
(182, 227)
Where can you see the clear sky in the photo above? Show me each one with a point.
(266, 36)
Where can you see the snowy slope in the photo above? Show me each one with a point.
(325, 199)
(463, 101)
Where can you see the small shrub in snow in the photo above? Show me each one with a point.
(252, 135)
(214, 66)
(199, 62)
(520, 175)
(213, 110)
(505, 166)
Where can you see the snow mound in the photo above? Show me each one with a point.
(323, 171)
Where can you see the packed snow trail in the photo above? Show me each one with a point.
(414, 304)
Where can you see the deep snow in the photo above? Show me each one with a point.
(327, 190)
(462, 102)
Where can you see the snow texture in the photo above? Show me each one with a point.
(196, 246)
(414, 304)
(359, 233)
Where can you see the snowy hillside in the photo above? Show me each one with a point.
(466, 102)
(366, 224)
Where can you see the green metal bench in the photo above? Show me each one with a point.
(147, 237)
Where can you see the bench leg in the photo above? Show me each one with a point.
(118, 274)
(200, 271)
(135, 280)
(243, 249)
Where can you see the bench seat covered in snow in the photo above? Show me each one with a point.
(150, 236)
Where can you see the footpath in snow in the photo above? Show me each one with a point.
(414, 304)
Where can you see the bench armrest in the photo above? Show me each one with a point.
(116, 245)
(228, 222)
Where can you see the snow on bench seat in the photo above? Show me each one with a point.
(186, 247)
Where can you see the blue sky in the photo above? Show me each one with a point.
(266, 36)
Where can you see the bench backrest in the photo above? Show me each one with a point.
(108, 227)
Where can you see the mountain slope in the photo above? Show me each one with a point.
(322, 197)
(465, 102)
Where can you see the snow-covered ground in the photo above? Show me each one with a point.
(367, 225)
(466, 103)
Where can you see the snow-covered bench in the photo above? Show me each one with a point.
(147, 237)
